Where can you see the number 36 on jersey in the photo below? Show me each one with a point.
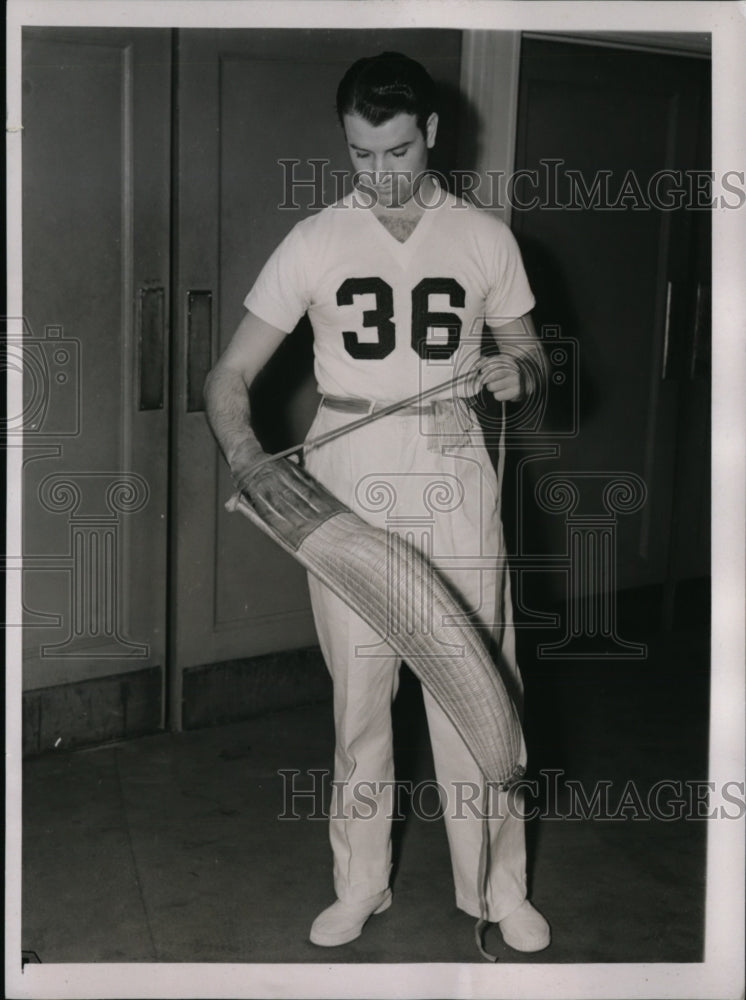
(383, 321)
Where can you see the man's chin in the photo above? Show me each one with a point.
(385, 195)
(388, 198)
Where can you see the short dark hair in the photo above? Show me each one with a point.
(379, 87)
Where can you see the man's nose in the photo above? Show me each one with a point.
(382, 165)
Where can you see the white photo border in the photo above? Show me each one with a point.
(720, 975)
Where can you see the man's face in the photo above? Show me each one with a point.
(390, 158)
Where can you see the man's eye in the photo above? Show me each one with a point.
(361, 156)
(399, 155)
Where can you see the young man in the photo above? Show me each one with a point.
(398, 279)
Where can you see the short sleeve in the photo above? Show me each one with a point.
(510, 295)
(280, 293)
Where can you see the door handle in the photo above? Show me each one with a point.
(199, 347)
(667, 331)
(151, 346)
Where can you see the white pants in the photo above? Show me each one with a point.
(448, 506)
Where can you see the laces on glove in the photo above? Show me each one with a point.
(245, 460)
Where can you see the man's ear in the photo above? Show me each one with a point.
(431, 130)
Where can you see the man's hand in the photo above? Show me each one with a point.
(520, 369)
(501, 375)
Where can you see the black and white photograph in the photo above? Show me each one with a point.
(376, 454)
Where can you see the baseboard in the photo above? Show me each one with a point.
(103, 709)
(100, 710)
(93, 711)
(220, 693)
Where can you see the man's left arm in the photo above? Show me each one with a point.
(519, 370)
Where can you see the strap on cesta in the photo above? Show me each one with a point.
(484, 858)
(451, 384)
(479, 930)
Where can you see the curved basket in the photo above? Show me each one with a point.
(399, 594)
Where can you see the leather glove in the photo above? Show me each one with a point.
(245, 459)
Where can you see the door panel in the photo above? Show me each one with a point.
(247, 101)
(96, 112)
(690, 551)
(615, 277)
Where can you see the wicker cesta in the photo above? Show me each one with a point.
(399, 594)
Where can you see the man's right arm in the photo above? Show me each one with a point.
(227, 392)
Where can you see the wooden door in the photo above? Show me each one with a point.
(690, 548)
(614, 276)
(96, 261)
(247, 101)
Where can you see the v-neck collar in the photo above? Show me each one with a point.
(402, 252)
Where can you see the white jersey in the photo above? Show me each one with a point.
(391, 319)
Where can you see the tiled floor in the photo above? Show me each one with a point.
(170, 849)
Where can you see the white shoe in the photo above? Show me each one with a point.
(342, 922)
(525, 929)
